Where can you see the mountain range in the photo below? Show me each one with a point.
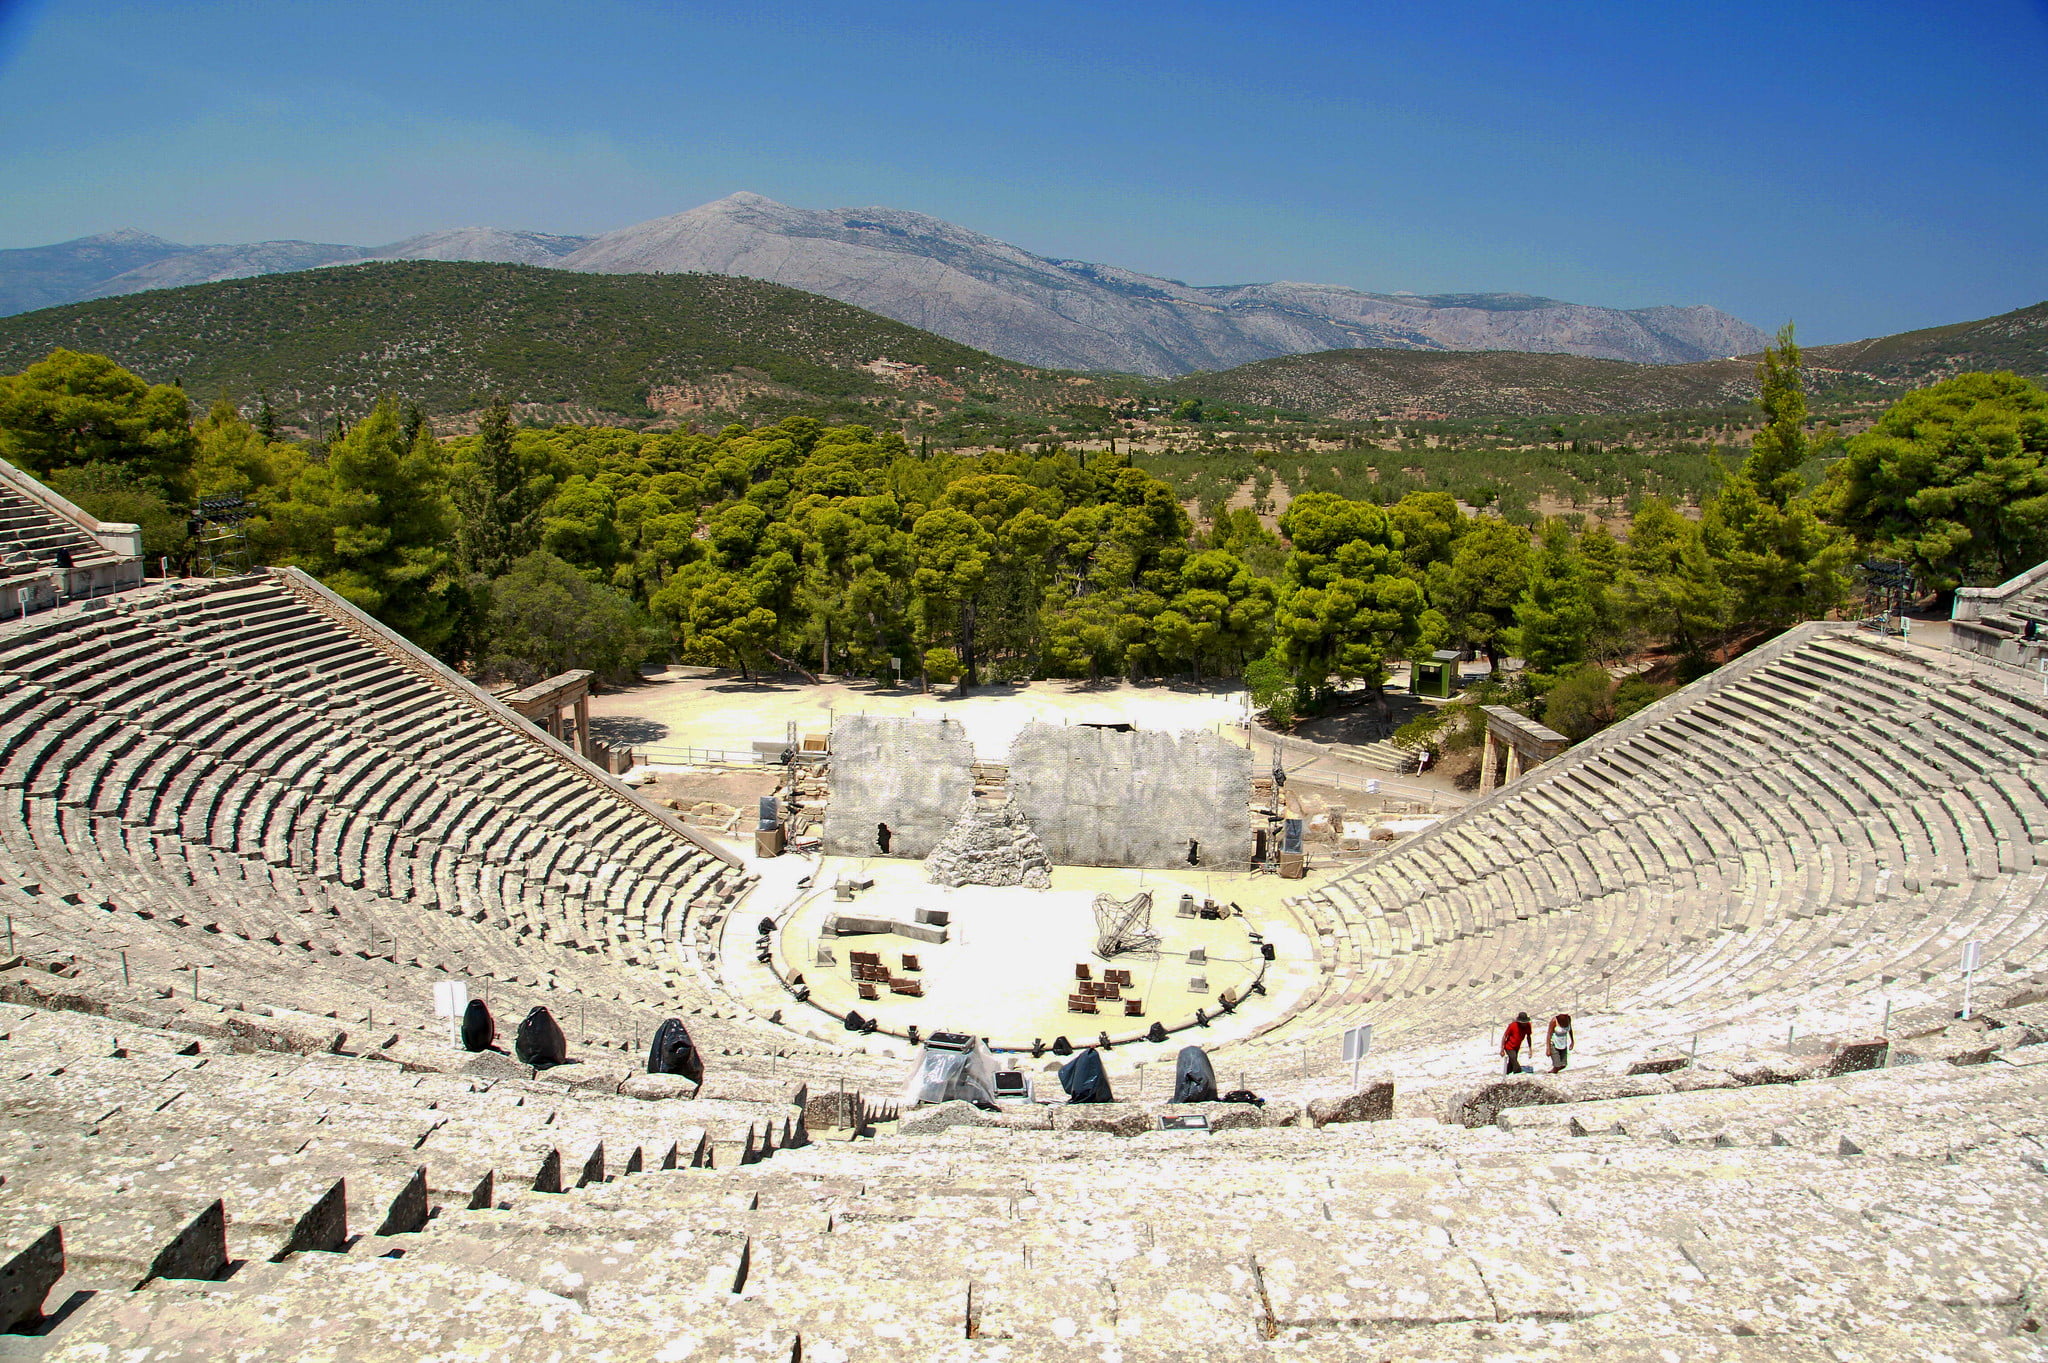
(704, 348)
(949, 280)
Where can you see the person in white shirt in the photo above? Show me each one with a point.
(1557, 1039)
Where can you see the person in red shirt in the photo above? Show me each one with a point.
(1513, 1040)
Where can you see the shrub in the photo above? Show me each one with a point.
(1582, 702)
(1638, 693)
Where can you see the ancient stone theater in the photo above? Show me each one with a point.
(350, 1013)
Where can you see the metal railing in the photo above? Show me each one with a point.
(684, 755)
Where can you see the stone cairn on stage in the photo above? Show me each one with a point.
(990, 846)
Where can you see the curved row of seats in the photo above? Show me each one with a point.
(1823, 824)
(133, 1140)
(241, 778)
(1753, 1224)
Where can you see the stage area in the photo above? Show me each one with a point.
(675, 710)
(1008, 966)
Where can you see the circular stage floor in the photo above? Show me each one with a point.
(1007, 967)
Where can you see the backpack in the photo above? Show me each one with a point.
(540, 1042)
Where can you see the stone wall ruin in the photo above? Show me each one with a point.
(914, 775)
(1100, 797)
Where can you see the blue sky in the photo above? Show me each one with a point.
(1860, 167)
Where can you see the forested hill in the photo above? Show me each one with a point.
(1360, 385)
(2015, 341)
(453, 336)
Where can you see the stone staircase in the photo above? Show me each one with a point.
(1386, 755)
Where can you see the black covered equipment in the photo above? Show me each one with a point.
(540, 1042)
(1083, 1079)
(478, 1031)
(1194, 1079)
(672, 1053)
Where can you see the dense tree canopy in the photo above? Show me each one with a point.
(522, 551)
(72, 410)
(1953, 480)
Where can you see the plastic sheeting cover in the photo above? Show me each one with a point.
(674, 1053)
(942, 1076)
(539, 1041)
(1084, 1080)
(1194, 1079)
(478, 1031)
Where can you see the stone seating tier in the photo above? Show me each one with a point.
(1890, 1214)
(1817, 828)
(239, 784)
(27, 527)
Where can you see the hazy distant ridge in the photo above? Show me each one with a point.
(947, 279)
(1072, 314)
(110, 264)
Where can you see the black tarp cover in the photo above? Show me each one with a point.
(478, 1031)
(1083, 1079)
(1194, 1079)
(673, 1053)
(540, 1042)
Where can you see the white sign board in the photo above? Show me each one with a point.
(1358, 1042)
(1971, 952)
(451, 998)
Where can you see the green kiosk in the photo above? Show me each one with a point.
(1439, 676)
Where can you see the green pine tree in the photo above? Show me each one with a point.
(1781, 561)
(1555, 619)
(497, 504)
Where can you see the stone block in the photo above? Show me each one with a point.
(1115, 1119)
(126, 1241)
(31, 1261)
(656, 1087)
(1373, 1103)
(1858, 1056)
(1659, 1064)
(298, 1036)
(1693, 1078)
(1766, 1067)
(1482, 1105)
(925, 1121)
(1593, 1088)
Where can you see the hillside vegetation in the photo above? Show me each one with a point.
(2016, 341)
(454, 336)
(525, 552)
(652, 349)
(1362, 385)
